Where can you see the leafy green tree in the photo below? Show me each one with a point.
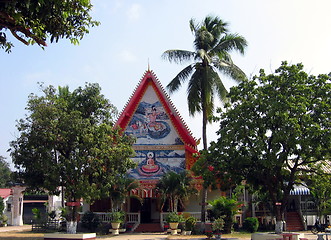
(31, 21)
(319, 186)
(5, 173)
(69, 140)
(275, 128)
(175, 187)
(212, 46)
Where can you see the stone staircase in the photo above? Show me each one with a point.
(149, 227)
(294, 222)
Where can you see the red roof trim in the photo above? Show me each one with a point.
(150, 78)
(5, 192)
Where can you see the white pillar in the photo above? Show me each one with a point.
(17, 206)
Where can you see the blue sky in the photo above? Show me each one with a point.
(133, 33)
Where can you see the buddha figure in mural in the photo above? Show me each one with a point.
(150, 167)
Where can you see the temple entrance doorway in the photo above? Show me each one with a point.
(148, 210)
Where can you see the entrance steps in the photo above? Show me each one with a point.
(149, 227)
(294, 222)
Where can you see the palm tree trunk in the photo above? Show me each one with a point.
(204, 189)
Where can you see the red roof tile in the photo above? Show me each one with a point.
(5, 192)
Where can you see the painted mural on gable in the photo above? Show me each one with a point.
(150, 124)
(152, 164)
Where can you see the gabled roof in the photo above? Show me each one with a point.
(5, 192)
(150, 78)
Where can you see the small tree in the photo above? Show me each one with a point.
(69, 140)
(119, 191)
(225, 208)
(319, 186)
(175, 187)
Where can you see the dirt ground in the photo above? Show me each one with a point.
(20, 236)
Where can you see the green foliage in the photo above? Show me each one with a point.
(36, 213)
(212, 46)
(225, 208)
(4, 173)
(69, 139)
(275, 127)
(175, 187)
(4, 218)
(190, 223)
(174, 217)
(119, 191)
(2, 205)
(251, 224)
(320, 189)
(90, 221)
(117, 217)
(218, 225)
(37, 21)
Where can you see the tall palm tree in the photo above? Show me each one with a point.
(212, 46)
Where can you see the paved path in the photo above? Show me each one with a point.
(16, 228)
(137, 236)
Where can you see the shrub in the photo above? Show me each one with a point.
(90, 221)
(251, 224)
(190, 223)
(117, 217)
(174, 217)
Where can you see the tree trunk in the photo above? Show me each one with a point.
(279, 220)
(204, 189)
(72, 221)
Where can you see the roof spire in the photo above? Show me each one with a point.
(148, 69)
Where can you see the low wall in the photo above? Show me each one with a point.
(269, 236)
(66, 236)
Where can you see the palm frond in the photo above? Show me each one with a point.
(181, 77)
(220, 88)
(231, 42)
(178, 56)
(194, 93)
(231, 70)
(194, 26)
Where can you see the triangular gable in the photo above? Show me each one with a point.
(150, 80)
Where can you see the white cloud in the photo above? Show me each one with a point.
(134, 12)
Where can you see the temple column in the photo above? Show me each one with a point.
(17, 206)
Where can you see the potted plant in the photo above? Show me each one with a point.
(116, 219)
(173, 218)
(217, 227)
(190, 224)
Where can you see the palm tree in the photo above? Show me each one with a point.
(119, 192)
(175, 187)
(212, 46)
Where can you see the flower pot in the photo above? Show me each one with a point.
(115, 226)
(173, 225)
(188, 232)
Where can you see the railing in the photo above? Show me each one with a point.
(196, 215)
(103, 216)
(106, 217)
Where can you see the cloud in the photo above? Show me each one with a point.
(127, 56)
(134, 12)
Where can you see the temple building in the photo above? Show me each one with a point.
(163, 143)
